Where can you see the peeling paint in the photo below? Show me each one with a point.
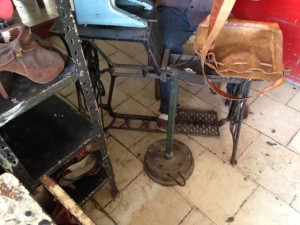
(17, 206)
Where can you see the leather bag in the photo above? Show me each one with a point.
(239, 48)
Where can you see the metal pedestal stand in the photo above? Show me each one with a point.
(169, 162)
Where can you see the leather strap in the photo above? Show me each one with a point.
(219, 13)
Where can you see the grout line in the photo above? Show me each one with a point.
(125, 187)
(292, 138)
(193, 207)
(125, 146)
(189, 212)
(295, 197)
(248, 176)
(244, 202)
(251, 143)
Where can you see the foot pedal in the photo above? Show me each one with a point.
(197, 122)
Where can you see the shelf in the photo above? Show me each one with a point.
(47, 136)
(26, 94)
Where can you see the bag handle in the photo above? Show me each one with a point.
(220, 12)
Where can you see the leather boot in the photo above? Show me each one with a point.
(22, 55)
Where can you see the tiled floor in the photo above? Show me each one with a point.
(262, 189)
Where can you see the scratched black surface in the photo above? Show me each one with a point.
(47, 135)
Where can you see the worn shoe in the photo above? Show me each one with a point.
(162, 122)
(88, 166)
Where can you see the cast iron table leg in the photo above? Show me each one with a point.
(169, 162)
(235, 116)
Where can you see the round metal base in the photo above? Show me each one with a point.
(169, 172)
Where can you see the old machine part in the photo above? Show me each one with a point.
(110, 13)
(169, 162)
(169, 169)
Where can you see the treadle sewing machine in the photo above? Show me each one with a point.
(168, 162)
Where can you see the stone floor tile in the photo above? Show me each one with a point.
(276, 94)
(106, 47)
(275, 168)
(193, 89)
(130, 106)
(142, 57)
(222, 145)
(118, 96)
(294, 103)
(296, 201)
(219, 102)
(121, 58)
(146, 95)
(190, 101)
(212, 99)
(196, 217)
(216, 188)
(133, 85)
(145, 202)
(126, 166)
(263, 208)
(127, 138)
(73, 99)
(155, 108)
(295, 143)
(274, 119)
(132, 49)
(66, 101)
(68, 90)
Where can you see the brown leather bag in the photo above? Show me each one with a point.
(239, 48)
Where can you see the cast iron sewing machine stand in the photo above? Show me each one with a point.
(194, 125)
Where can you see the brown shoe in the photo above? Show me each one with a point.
(21, 54)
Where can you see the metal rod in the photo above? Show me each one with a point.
(66, 200)
(171, 117)
(235, 125)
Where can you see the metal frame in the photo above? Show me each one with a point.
(175, 72)
(75, 49)
(11, 163)
(168, 70)
(8, 159)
